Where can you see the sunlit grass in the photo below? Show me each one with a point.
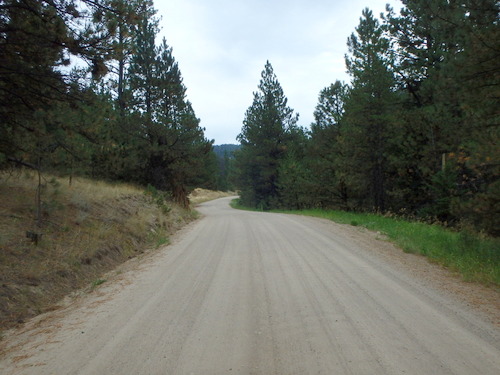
(203, 195)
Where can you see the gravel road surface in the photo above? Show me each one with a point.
(257, 293)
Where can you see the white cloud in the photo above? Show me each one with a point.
(222, 46)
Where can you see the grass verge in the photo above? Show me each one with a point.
(475, 256)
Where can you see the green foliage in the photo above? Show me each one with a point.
(330, 108)
(237, 204)
(172, 144)
(442, 188)
(416, 131)
(225, 166)
(267, 130)
(327, 182)
(125, 116)
(160, 198)
(445, 67)
(162, 241)
(368, 125)
(97, 282)
(38, 40)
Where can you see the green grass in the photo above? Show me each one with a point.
(235, 203)
(96, 283)
(475, 256)
(162, 240)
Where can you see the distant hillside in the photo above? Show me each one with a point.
(220, 150)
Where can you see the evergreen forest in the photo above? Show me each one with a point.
(414, 133)
(86, 89)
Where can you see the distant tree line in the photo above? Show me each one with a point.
(225, 164)
(415, 132)
(85, 89)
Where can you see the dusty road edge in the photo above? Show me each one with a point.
(479, 298)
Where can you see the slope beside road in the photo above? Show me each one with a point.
(256, 293)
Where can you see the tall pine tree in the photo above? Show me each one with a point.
(368, 118)
(264, 137)
(448, 67)
(327, 182)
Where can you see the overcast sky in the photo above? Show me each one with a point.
(222, 46)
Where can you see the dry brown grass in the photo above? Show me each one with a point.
(202, 195)
(89, 228)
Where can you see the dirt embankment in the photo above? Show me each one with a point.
(88, 228)
(199, 196)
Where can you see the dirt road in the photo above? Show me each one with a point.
(255, 293)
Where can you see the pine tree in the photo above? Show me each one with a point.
(264, 138)
(327, 185)
(368, 117)
(126, 18)
(330, 108)
(142, 73)
(477, 70)
(39, 39)
(172, 143)
(294, 175)
(28, 80)
(447, 63)
(225, 166)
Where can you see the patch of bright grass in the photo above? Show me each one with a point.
(162, 240)
(475, 256)
(97, 282)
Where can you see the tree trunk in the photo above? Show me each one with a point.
(179, 195)
(38, 196)
(121, 71)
